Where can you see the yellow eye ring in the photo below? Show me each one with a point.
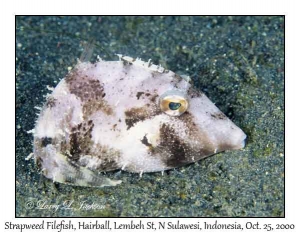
(173, 103)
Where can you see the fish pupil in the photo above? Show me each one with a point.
(174, 106)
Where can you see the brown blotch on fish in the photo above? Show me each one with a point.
(218, 116)
(114, 127)
(85, 87)
(145, 141)
(224, 147)
(93, 106)
(180, 152)
(135, 115)
(199, 135)
(173, 145)
(108, 165)
(75, 150)
(46, 141)
(153, 98)
(138, 95)
(80, 140)
(51, 102)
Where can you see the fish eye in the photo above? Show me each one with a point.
(173, 103)
(174, 106)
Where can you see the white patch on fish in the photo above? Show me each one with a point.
(129, 115)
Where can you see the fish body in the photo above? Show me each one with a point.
(130, 115)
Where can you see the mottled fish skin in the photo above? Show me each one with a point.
(106, 116)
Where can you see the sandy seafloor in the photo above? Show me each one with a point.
(237, 61)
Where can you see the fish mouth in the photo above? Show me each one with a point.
(242, 143)
(237, 144)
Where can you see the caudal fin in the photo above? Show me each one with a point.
(59, 168)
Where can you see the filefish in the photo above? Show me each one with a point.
(129, 115)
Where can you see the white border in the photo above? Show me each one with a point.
(10, 8)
